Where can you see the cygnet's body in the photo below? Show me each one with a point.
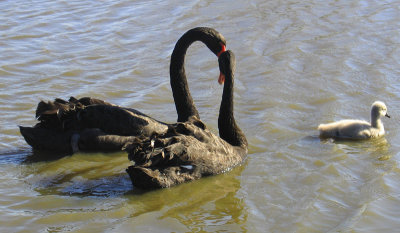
(357, 129)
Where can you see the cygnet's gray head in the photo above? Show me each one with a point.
(379, 109)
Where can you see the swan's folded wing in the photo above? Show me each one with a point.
(186, 152)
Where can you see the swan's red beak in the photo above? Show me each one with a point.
(221, 78)
(223, 49)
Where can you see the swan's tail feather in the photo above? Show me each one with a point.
(57, 115)
(47, 108)
(46, 139)
(60, 119)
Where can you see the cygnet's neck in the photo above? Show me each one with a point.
(376, 122)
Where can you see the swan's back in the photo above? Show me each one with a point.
(60, 119)
(188, 151)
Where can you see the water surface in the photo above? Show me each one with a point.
(299, 63)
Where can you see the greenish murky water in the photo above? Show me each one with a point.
(299, 63)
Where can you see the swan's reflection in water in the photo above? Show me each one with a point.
(377, 148)
(203, 205)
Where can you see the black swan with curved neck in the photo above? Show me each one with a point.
(188, 150)
(93, 124)
(180, 89)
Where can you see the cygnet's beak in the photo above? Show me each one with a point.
(387, 115)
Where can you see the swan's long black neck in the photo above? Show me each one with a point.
(182, 97)
(228, 129)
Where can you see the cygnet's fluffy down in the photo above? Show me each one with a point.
(357, 129)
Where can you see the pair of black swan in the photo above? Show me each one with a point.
(188, 150)
(164, 154)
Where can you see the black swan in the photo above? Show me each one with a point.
(188, 150)
(93, 125)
